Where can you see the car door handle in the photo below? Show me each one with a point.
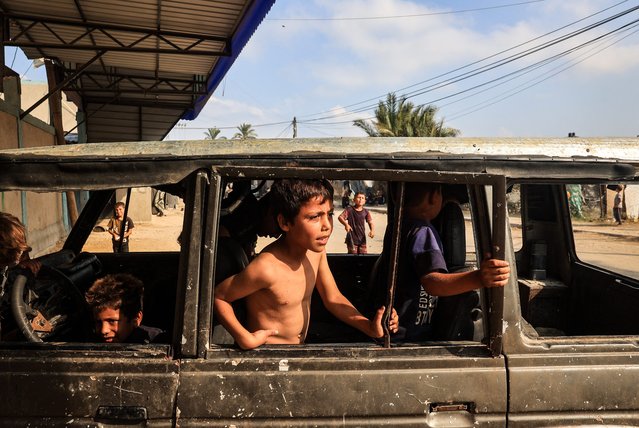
(121, 413)
(451, 414)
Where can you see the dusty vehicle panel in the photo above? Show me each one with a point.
(558, 349)
(347, 385)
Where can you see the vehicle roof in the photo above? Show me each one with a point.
(105, 165)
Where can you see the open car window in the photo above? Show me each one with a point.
(51, 305)
(465, 226)
(577, 268)
(604, 225)
(154, 220)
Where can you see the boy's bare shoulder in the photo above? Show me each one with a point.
(266, 265)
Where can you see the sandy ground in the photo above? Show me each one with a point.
(160, 234)
(600, 243)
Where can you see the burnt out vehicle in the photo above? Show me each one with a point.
(558, 346)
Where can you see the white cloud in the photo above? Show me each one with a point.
(296, 68)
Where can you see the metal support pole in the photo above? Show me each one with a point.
(394, 257)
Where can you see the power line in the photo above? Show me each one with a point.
(417, 15)
(518, 73)
(476, 71)
(541, 64)
(15, 53)
(503, 97)
(376, 99)
(479, 70)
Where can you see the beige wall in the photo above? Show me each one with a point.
(34, 91)
(44, 221)
(8, 131)
(33, 136)
(43, 212)
(140, 205)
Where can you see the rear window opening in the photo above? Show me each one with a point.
(578, 261)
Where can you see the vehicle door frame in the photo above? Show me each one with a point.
(569, 380)
(278, 372)
(78, 384)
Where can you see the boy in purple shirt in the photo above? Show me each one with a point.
(354, 219)
(423, 274)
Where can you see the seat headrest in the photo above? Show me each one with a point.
(452, 230)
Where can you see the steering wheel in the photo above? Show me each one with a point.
(49, 308)
(234, 199)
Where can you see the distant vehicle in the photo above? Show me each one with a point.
(557, 347)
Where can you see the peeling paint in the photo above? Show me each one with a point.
(283, 366)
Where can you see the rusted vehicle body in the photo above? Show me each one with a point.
(558, 346)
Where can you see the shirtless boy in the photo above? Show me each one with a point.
(277, 285)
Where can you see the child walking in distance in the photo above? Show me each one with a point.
(115, 227)
(618, 205)
(354, 219)
(422, 270)
(116, 304)
(277, 285)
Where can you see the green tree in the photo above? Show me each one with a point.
(212, 133)
(397, 117)
(245, 131)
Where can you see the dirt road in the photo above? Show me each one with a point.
(599, 243)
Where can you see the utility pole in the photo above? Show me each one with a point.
(294, 127)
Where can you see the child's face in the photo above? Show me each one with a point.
(428, 208)
(119, 211)
(359, 200)
(312, 226)
(112, 326)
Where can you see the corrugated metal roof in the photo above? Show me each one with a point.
(145, 63)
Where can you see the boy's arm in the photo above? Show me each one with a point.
(343, 309)
(492, 273)
(343, 218)
(369, 220)
(110, 228)
(129, 229)
(236, 287)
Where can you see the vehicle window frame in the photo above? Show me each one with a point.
(524, 335)
(495, 228)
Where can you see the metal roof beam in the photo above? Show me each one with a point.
(62, 84)
(84, 19)
(136, 102)
(107, 28)
(144, 84)
(140, 91)
(117, 74)
(130, 48)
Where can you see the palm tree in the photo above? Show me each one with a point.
(245, 131)
(212, 133)
(400, 118)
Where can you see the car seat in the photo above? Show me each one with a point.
(456, 316)
(230, 260)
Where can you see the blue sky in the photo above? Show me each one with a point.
(325, 62)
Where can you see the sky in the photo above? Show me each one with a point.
(492, 67)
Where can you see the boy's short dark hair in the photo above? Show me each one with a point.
(288, 195)
(359, 193)
(118, 291)
(415, 192)
(119, 204)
